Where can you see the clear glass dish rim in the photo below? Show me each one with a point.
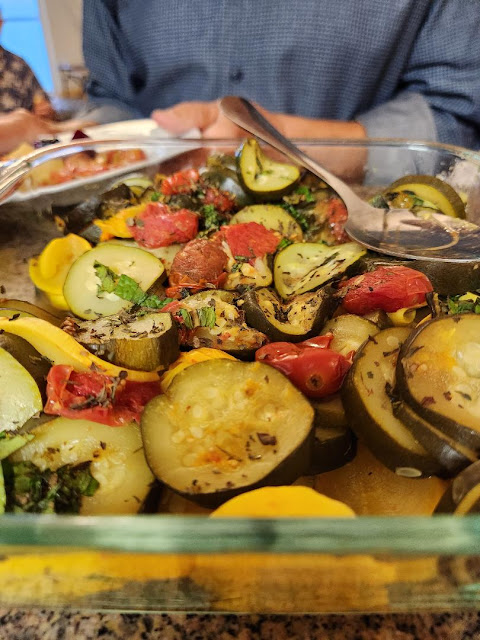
(395, 535)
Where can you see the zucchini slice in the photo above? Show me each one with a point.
(432, 191)
(272, 217)
(36, 365)
(302, 267)
(20, 397)
(453, 456)
(143, 343)
(349, 332)
(368, 407)
(116, 455)
(262, 177)
(438, 375)
(293, 321)
(463, 494)
(224, 427)
(82, 289)
(165, 254)
(21, 308)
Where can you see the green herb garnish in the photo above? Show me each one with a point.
(207, 317)
(297, 215)
(284, 243)
(305, 192)
(126, 288)
(211, 218)
(31, 490)
(187, 318)
(155, 197)
(455, 305)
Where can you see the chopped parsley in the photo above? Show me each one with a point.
(297, 215)
(31, 490)
(155, 197)
(456, 305)
(212, 220)
(126, 288)
(304, 191)
(186, 317)
(284, 243)
(207, 317)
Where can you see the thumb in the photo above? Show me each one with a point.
(186, 115)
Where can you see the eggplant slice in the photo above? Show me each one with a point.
(224, 427)
(438, 375)
(463, 494)
(368, 406)
(293, 321)
(144, 342)
(335, 444)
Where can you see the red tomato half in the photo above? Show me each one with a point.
(97, 397)
(311, 366)
(180, 182)
(159, 226)
(337, 216)
(386, 288)
(248, 239)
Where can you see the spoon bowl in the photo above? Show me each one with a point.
(395, 232)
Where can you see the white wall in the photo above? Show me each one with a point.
(62, 24)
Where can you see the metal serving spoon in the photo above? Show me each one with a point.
(396, 232)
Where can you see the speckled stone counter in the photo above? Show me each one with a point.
(18, 624)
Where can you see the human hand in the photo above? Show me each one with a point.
(205, 116)
(26, 126)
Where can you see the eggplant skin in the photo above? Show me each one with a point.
(452, 457)
(374, 428)
(305, 314)
(467, 482)
(463, 434)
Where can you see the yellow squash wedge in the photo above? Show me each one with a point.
(60, 348)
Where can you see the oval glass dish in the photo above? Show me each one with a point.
(180, 560)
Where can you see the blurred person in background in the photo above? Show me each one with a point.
(19, 87)
(346, 69)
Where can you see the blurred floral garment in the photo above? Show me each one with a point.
(19, 87)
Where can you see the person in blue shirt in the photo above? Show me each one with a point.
(376, 68)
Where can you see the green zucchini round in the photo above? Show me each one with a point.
(224, 427)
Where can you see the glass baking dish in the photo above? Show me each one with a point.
(190, 563)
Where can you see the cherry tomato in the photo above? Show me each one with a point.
(201, 264)
(159, 226)
(386, 288)
(94, 396)
(223, 201)
(311, 366)
(180, 182)
(248, 239)
(337, 217)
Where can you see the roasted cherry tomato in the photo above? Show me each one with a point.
(386, 288)
(248, 239)
(337, 217)
(159, 226)
(180, 182)
(223, 201)
(201, 264)
(97, 397)
(312, 367)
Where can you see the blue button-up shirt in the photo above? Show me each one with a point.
(403, 68)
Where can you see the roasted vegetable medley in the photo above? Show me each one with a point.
(213, 331)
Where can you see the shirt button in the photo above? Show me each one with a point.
(236, 76)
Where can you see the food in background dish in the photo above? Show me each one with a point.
(241, 340)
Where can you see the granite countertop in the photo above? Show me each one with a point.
(17, 624)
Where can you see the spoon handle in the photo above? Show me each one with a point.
(245, 115)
